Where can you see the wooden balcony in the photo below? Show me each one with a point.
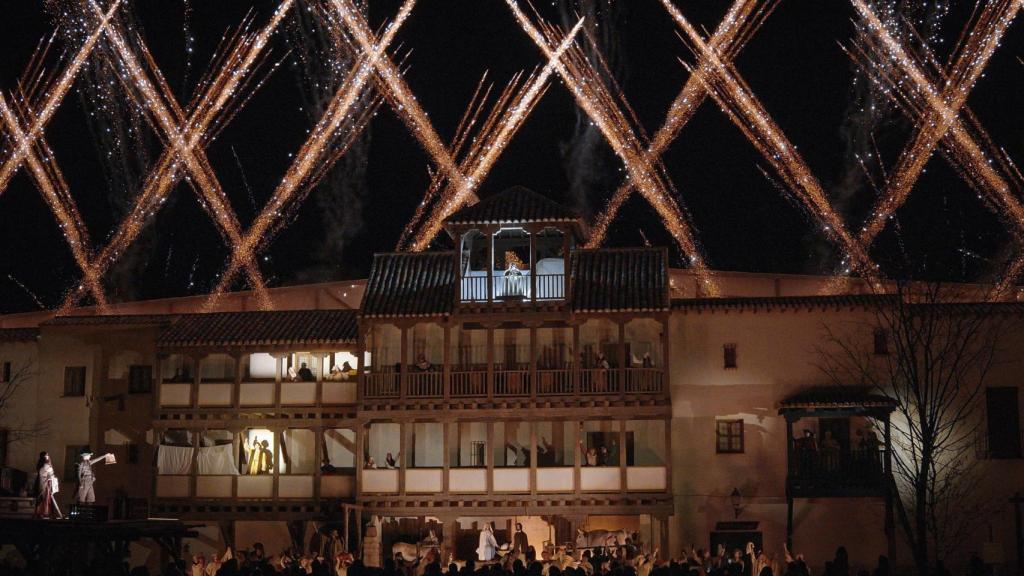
(850, 473)
(259, 394)
(515, 383)
(261, 487)
(510, 289)
(515, 480)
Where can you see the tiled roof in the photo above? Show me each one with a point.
(837, 397)
(274, 328)
(516, 204)
(19, 334)
(620, 280)
(781, 302)
(410, 284)
(110, 320)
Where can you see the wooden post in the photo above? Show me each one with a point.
(360, 354)
(360, 456)
(577, 361)
(622, 457)
(566, 268)
(578, 461)
(278, 378)
(666, 356)
(489, 458)
(446, 464)
(446, 370)
(197, 360)
(276, 462)
(236, 390)
(403, 369)
(402, 456)
(533, 366)
(318, 458)
(490, 363)
(533, 265)
(668, 455)
(622, 359)
(533, 457)
(490, 264)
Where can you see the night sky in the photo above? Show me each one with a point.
(794, 64)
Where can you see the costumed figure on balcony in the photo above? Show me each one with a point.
(86, 477)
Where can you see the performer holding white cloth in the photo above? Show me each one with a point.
(488, 544)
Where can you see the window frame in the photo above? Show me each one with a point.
(880, 342)
(729, 436)
(6, 371)
(132, 388)
(68, 371)
(730, 356)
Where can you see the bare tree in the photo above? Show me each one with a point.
(18, 430)
(932, 350)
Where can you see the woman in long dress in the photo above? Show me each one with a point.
(47, 486)
(488, 544)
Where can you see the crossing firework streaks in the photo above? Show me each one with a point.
(738, 101)
(734, 31)
(342, 111)
(605, 110)
(508, 115)
(171, 121)
(51, 184)
(938, 108)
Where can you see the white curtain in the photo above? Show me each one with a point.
(176, 460)
(217, 460)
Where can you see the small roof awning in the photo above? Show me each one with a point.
(837, 401)
(313, 329)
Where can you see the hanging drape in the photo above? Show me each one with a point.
(175, 460)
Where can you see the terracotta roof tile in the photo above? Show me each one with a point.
(837, 397)
(781, 302)
(620, 280)
(514, 205)
(110, 320)
(250, 329)
(410, 284)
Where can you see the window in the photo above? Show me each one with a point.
(1003, 415)
(881, 342)
(140, 379)
(133, 453)
(72, 454)
(5, 374)
(729, 356)
(74, 380)
(729, 436)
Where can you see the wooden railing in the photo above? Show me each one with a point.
(644, 380)
(554, 382)
(424, 385)
(469, 384)
(548, 287)
(518, 382)
(511, 382)
(599, 381)
(382, 385)
(839, 472)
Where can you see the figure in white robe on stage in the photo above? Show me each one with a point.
(488, 545)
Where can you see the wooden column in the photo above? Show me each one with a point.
(276, 463)
(197, 362)
(489, 458)
(533, 457)
(446, 369)
(533, 364)
(622, 358)
(578, 461)
(622, 457)
(490, 362)
(236, 389)
(446, 464)
(320, 366)
(403, 368)
(533, 265)
(489, 235)
(197, 437)
(360, 456)
(318, 458)
(360, 354)
(576, 361)
(666, 356)
(566, 268)
(278, 379)
(668, 455)
(402, 456)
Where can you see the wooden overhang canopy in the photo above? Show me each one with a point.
(261, 331)
(410, 284)
(836, 401)
(517, 205)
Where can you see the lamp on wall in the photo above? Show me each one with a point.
(737, 502)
